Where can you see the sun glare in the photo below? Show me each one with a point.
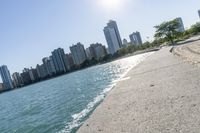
(110, 4)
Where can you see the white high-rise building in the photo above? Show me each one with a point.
(181, 25)
(6, 78)
(135, 38)
(112, 36)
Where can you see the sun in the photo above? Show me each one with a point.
(110, 4)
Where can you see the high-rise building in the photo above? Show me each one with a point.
(60, 62)
(33, 75)
(49, 65)
(112, 36)
(113, 24)
(70, 59)
(1, 87)
(88, 54)
(17, 80)
(97, 50)
(92, 50)
(46, 65)
(199, 13)
(6, 78)
(125, 42)
(41, 71)
(26, 76)
(135, 38)
(78, 53)
(181, 25)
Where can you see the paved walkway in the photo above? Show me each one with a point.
(190, 52)
(161, 95)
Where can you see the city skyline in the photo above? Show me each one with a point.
(20, 44)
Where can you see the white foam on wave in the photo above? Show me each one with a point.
(76, 122)
(77, 117)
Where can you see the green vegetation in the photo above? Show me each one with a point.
(131, 48)
(168, 31)
(194, 30)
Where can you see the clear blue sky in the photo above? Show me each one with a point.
(31, 29)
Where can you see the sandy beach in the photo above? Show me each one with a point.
(160, 95)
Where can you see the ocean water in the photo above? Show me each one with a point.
(62, 104)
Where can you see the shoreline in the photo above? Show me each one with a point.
(129, 55)
(122, 78)
(90, 108)
(135, 104)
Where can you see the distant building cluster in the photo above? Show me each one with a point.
(113, 38)
(57, 63)
(60, 62)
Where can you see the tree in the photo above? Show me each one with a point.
(167, 30)
(195, 29)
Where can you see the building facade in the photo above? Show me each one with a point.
(88, 54)
(26, 77)
(17, 80)
(49, 65)
(181, 27)
(42, 74)
(125, 42)
(78, 53)
(97, 50)
(199, 13)
(52, 66)
(1, 87)
(33, 75)
(112, 36)
(60, 61)
(6, 78)
(135, 38)
(70, 59)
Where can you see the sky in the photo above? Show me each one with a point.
(31, 29)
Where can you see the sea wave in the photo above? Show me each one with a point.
(79, 116)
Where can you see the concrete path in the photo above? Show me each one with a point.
(189, 52)
(162, 95)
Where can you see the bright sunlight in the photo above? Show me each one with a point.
(110, 4)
